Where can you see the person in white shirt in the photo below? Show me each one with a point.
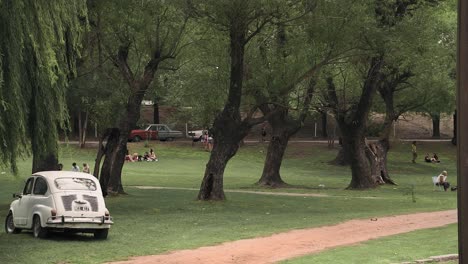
(75, 167)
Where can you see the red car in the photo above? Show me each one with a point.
(137, 135)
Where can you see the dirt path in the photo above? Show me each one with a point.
(301, 242)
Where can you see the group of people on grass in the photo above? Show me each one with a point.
(432, 159)
(442, 177)
(76, 168)
(148, 156)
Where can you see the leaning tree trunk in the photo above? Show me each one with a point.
(101, 152)
(109, 158)
(212, 184)
(228, 134)
(228, 129)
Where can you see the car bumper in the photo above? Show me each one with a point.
(79, 222)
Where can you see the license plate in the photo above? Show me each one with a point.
(82, 208)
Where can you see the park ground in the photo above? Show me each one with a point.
(151, 221)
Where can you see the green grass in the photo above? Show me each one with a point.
(156, 221)
(394, 249)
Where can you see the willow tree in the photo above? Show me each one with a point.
(137, 37)
(39, 44)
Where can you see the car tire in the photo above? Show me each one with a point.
(38, 230)
(136, 139)
(170, 139)
(10, 225)
(101, 234)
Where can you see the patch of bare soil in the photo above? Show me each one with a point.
(296, 243)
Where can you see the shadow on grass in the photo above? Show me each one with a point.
(62, 236)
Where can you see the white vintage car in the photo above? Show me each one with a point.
(62, 201)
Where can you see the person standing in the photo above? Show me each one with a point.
(75, 167)
(414, 151)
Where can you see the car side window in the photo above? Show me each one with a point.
(28, 187)
(40, 187)
(153, 128)
(162, 128)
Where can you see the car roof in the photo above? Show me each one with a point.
(63, 174)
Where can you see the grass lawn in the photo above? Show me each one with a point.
(394, 249)
(155, 221)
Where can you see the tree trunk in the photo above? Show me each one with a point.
(454, 139)
(45, 163)
(212, 185)
(80, 129)
(101, 152)
(227, 139)
(361, 168)
(343, 158)
(352, 124)
(83, 133)
(435, 125)
(156, 112)
(276, 148)
(324, 124)
(111, 171)
(228, 128)
(377, 154)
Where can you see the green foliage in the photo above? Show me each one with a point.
(40, 43)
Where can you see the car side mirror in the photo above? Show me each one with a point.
(17, 195)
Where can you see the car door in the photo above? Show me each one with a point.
(41, 197)
(21, 211)
(163, 132)
(153, 132)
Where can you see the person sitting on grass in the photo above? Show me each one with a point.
(427, 159)
(152, 155)
(442, 180)
(129, 157)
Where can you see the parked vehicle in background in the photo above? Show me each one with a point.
(59, 201)
(149, 133)
(154, 131)
(196, 135)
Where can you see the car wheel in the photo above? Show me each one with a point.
(136, 139)
(10, 225)
(101, 233)
(170, 139)
(38, 230)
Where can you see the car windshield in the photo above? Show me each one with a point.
(75, 184)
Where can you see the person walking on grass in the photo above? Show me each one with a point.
(414, 151)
